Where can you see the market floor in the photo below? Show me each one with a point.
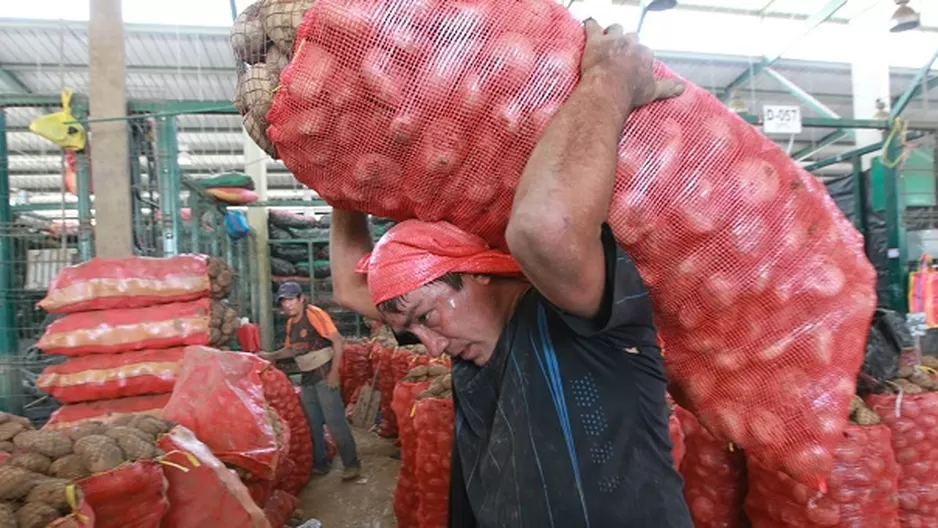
(366, 503)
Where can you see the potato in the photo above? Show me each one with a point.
(255, 123)
(32, 461)
(281, 18)
(15, 482)
(125, 430)
(122, 420)
(70, 467)
(6, 446)
(99, 453)
(150, 424)
(10, 429)
(84, 429)
(908, 387)
(247, 35)
(924, 380)
(930, 362)
(52, 492)
(447, 382)
(905, 372)
(855, 404)
(53, 444)
(436, 369)
(276, 60)
(7, 516)
(257, 92)
(865, 416)
(35, 515)
(132, 445)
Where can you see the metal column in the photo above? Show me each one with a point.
(10, 397)
(83, 177)
(168, 161)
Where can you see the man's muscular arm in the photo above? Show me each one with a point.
(564, 193)
(349, 241)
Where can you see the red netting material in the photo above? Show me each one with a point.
(677, 440)
(356, 367)
(913, 421)
(430, 109)
(283, 398)
(714, 477)
(861, 489)
(279, 508)
(132, 494)
(405, 493)
(433, 422)
(204, 492)
(110, 376)
(219, 396)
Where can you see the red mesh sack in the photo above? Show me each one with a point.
(283, 398)
(913, 420)
(861, 489)
(219, 396)
(430, 110)
(433, 422)
(129, 282)
(279, 508)
(678, 448)
(120, 330)
(382, 357)
(714, 477)
(106, 411)
(405, 492)
(81, 516)
(132, 494)
(202, 491)
(356, 367)
(110, 376)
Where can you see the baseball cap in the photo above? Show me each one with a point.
(289, 290)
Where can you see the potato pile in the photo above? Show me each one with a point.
(223, 324)
(860, 414)
(440, 377)
(262, 37)
(221, 277)
(918, 379)
(42, 464)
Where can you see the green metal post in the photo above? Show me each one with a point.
(904, 99)
(195, 221)
(10, 397)
(809, 100)
(83, 184)
(896, 251)
(168, 161)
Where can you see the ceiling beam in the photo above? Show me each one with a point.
(30, 67)
(14, 82)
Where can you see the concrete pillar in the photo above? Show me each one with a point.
(255, 166)
(110, 170)
(870, 69)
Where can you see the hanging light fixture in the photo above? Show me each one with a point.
(737, 104)
(881, 113)
(905, 18)
(653, 5)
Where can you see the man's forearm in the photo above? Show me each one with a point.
(338, 348)
(349, 241)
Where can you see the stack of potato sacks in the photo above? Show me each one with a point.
(423, 403)
(262, 38)
(125, 323)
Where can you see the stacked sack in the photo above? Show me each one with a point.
(431, 109)
(356, 367)
(290, 261)
(262, 38)
(433, 418)
(909, 409)
(125, 324)
(861, 491)
(416, 382)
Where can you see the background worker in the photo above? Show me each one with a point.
(558, 382)
(310, 328)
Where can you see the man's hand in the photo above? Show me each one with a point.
(332, 378)
(619, 62)
(269, 356)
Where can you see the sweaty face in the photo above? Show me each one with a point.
(465, 324)
(291, 307)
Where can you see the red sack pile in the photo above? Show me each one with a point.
(714, 477)
(431, 109)
(219, 396)
(279, 509)
(433, 422)
(120, 330)
(130, 282)
(861, 489)
(132, 494)
(202, 491)
(397, 363)
(261, 488)
(356, 367)
(382, 361)
(283, 398)
(111, 376)
(405, 493)
(82, 516)
(914, 426)
(106, 411)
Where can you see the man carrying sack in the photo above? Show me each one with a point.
(558, 381)
(314, 343)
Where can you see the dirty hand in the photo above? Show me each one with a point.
(332, 378)
(618, 62)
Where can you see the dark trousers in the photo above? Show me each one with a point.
(324, 406)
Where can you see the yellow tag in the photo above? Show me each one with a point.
(412, 410)
(928, 369)
(71, 497)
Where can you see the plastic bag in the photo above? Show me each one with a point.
(119, 330)
(202, 491)
(433, 422)
(283, 398)
(880, 362)
(106, 411)
(129, 282)
(912, 420)
(405, 493)
(132, 494)
(219, 396)
(110, 376)
(714, 477)
(431, 110)
(861, 489)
